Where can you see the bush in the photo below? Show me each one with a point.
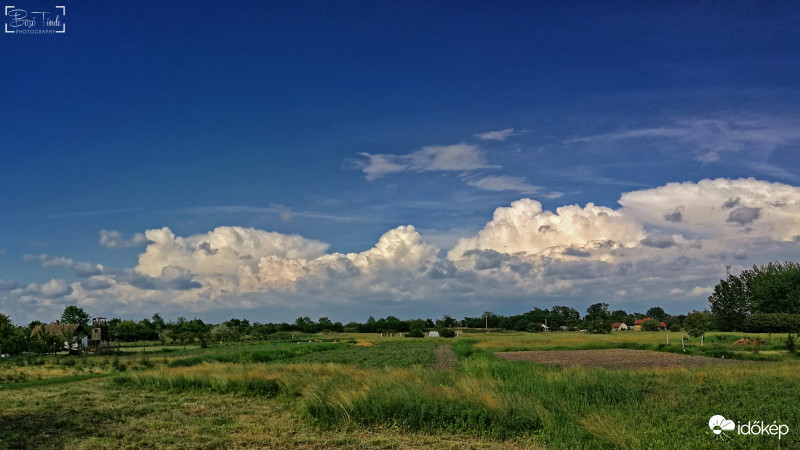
(415, 333)
(696, 332)
(650, 325)
(772, 323)
(599, 326)
(791, 340)
(447, 333)
(674, 327)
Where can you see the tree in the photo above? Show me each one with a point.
(74, 314)
(12, 338)
(619, 316)
(448, 321)
(564, 316)
(651, 325)
(773, 288)
(730, 304)
(158, 322)
(657, 313)
(597, 311)
(325, 324)
(222, 332)
(698, 320)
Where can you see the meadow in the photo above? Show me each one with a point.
(399, 393)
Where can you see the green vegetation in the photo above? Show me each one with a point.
(766, 290)
(393, 394)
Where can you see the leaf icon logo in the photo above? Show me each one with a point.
(718, 424)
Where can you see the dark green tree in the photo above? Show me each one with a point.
(698, 320)
(657, 313)
(74, 314)
(730, 304)
(597, 311)
(12, 338)
(564, 316)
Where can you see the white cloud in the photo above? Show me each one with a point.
(504, 183)
(80, 269)
(499, 135)
(644, 249)
(114, 239)
(525, 228)
(720, 207)
(223, 251)
(52, 289)
(699, 291)
(710, 138)
(460, 157)
(378, 165)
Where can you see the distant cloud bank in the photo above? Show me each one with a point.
(669, 243)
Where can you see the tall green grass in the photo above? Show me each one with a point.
(278, 353)
(177, 382)
(338, 388)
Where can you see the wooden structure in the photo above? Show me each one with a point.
(98, 340)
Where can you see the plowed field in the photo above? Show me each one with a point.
(617, 358)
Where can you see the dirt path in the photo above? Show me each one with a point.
(445, 358)
(617, 358)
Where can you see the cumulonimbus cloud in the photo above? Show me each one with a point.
(638, 250)
(524, 227)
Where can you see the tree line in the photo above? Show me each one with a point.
(17, 339)
(762, 299)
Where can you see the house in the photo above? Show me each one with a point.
(618, 326)
(70, 332)
(638, 324)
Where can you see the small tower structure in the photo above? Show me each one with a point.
(99, 341)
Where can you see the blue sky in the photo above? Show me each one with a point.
(340, 123)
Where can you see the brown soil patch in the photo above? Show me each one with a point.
(617, 358)
(445, 358)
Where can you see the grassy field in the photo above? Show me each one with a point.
(396, 395)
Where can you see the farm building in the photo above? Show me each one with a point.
(618, 326)
(638, 324)
(72, 333)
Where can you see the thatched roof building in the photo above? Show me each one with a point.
(65, 330)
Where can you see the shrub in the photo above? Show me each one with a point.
(650, 325)
(415, 333)
(674, 327)
(791, 340)
(599, 326)
(447, 333)
(772, 323)
(696, 332)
